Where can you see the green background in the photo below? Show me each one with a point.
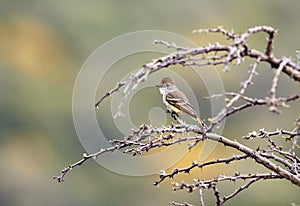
(42, 47)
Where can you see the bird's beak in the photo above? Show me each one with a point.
(158, 85)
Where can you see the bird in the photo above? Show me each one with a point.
(176, 100)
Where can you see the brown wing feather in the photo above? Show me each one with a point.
(179, 100)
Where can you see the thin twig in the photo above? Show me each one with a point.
(201, 197)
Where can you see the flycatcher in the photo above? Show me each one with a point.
(176, 100)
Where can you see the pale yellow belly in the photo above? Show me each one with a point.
(176, 110)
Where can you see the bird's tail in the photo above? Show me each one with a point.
(200, 122)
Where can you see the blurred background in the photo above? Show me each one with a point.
(43, 45)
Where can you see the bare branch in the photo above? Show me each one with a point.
(201, 197)
(60, 178)
(170, 45)
(109, 93)
(229, 53)
(280, 162)
(176, 171)
(208, 183)
(237, 191)
(220, 30)
(273, 108)
(181, 204)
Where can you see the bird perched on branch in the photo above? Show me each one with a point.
(176, 100)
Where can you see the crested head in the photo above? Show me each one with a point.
(166, 85)
(166, 82)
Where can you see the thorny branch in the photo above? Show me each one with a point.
(281, 162)
(212, 184)
(180, 204)
(215, 54)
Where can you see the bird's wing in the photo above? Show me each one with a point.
(179, 100)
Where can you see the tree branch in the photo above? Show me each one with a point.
(281, 163)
